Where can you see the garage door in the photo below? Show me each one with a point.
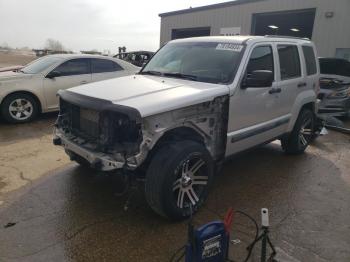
(298, 23)
(190, 32)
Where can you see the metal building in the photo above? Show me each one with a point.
(326, 22)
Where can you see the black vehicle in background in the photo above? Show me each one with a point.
(335, 68)
(138, 58)
(335, 87)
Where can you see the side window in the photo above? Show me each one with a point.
(79, 66)
(138, 58)
(130, 57)
(261, 59)
(347, 68)
(289, 61)
(117, 67)
(328, 66)
(310, 60)
(104, 66)
(335, 67)
(344, 68)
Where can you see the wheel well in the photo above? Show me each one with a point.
(181, 133)
(310, 106)
(27, 93)
(176, 134)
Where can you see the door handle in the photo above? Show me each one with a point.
(83, 82)
(275, 90)
(303, 84)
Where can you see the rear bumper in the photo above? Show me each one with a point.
(99, 161)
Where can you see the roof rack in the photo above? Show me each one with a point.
(285, 36)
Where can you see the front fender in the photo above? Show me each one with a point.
(31, 86)
(207, 120)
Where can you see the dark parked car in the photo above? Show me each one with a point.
(138, 58)
(335, 68)
(335, 86)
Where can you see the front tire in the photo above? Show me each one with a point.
(302, 134)
(19, 108)
(179, 176)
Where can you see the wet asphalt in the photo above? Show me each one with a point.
(75, 214)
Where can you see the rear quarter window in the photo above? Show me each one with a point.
(310, 60)
(104, 66)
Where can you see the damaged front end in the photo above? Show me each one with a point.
(97, 131)
(335, 98)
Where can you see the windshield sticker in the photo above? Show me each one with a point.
(230, 47)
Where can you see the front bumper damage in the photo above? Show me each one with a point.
(105, 135)
(97, 160)
(335, 97)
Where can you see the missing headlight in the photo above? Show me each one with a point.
(119, 133)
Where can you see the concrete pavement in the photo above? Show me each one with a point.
(62, 212)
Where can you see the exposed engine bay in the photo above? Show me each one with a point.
(112, 136)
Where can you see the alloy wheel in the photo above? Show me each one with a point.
(190, 183)
(21, 109)
(306, 132)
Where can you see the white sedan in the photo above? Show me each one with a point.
(33, 89)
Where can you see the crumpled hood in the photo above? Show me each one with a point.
(152, 94)
(9, 75)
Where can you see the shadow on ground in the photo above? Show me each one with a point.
(12, 133)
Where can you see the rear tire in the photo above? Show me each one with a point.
(302, 134)
(19, 108)
(180, 173)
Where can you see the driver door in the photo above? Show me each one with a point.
(73, 72)
(254, 112)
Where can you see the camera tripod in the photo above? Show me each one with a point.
(265, 239)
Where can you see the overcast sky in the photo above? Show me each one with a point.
(87, 24)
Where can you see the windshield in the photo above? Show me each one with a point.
(40, 64)
(210, 62)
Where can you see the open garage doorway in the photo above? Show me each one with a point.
(298, 23)
(190, 32)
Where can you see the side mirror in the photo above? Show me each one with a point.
(53, 74)
(258, 78)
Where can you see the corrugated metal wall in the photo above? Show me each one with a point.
(328, 34)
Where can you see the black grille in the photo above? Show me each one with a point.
(81, 122)
(111, 128)
(89, 122)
